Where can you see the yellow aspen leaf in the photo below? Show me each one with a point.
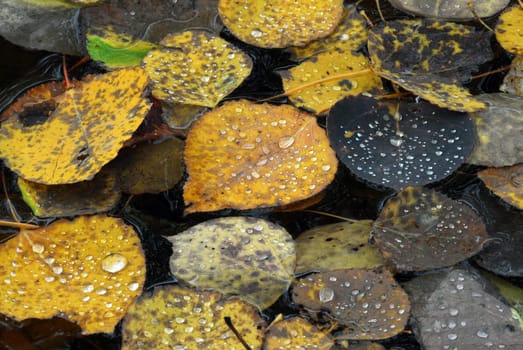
(197, 68)
(506, 183)
(85, 131)
(430, 59)
(176, 317)
(87, 197)
(509, 30)
(349, 35)
(322, 96)
(245, 155)
(243, 256)
(296, 333)
(343, 245)
(88, 270)
(369, 303)
(280, 23)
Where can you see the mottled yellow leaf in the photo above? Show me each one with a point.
(509, 30)
(245, 155)
(280, 23)
(175, 317)
(88, 270)
(243, 256)
(196, 67)
(296, 333)
(85, 131)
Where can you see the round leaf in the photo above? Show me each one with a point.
(85, 131)
(88, 270)
(427, 144)
(244, 155)
(296, 333)
(370, 303)
(280, 23)
(508, 30)
(174, 317)
(243, 256)
(196, 67)
(421, 229)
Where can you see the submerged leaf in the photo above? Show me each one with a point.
(88, 270)
(369, 303)
(296, 333)
(399, 144)
(85, 131)
(421, 229)
(243, 256)
(280, 23)
(196, 67)
(174, 317)
(509, 31)
(343, 245)
(506, 182)
(244, 155)
(451, 9)
(430, 59)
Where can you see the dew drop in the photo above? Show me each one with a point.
(326, 294)
(38, 248)
(452, 336)
(256, 33)
(57, 269)
(133, 286)
(482, 334)
(168, 330)
(87, 288)
(396, 141)
(286, 142)
(114, 263)
(326, 167)
(454, 312)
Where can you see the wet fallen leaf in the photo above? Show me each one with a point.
(175, 317)
(280, 23)
(369, 303)
(513, 81)
(180, 115)
(78, 138)
(343, 245)
(98, 195)
(88, 270)
(149, 167)
(243, 256)
(430, 59)
(508, 30)
(500, 130)
(512, 293)
(296, 333)
(455, 310)
(322, 96)
(244, 155)
(425, 145)
(421, 229)
(116, 50)
(196, 67)
(451, 9)
(506, 183)
(349, 35)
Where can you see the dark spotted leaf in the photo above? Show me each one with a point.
(506, 182)
(425, 145)
(369, 303)
(296, 333)
(430, 59)
(243, 256)
(421, 229)
(456, 310)
(508, 30)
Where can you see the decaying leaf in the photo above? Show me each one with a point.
(83, 133)
(343, 245)
(116, 50)
(196, 67)
(244, 155)
(243, 256)
(280, 23)
(88, 270)
(500, 130)
(98, 195)
(369, 303)
(430, 59)
(149, 167)
(397, 144)
(296, 333)
(509, 32)
(349, 35)
(421, 229)
(180, 115)
(506, 182)
(175, 317)
(455, 310)
(322, 96)
(451, 9)
(513, 81)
